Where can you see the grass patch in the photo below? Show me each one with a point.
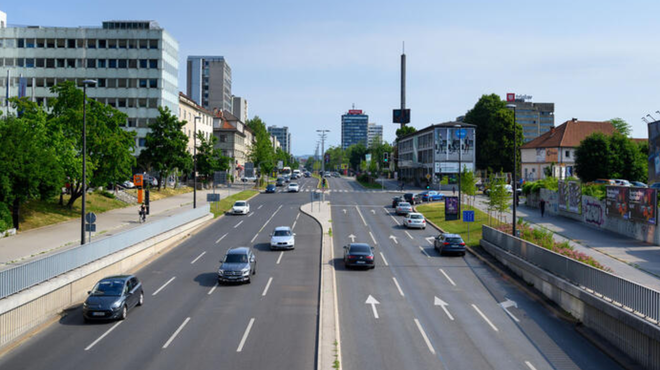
(318, 185)
(369, 185)
(330, 232)
(435, 212)
(154, 194)
(225, 204)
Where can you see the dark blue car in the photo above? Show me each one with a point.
(112, 297)
(270, 188)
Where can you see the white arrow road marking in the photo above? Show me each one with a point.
(222, 237)
(280, 257)
(198, 257)
(360, 213)
(384, 260)
(373, 211)
(344, 210)
(176, 333)
(398, 287)
(426, 339)
(373, 302)
(439, 302)
(529, 365)
(430, 240)
(372, 237)
(103, 336)
(484, 317)
(410, 236)
(394, 238)
(423, 251)
(238, 224)
(270, 280)
(245, 335)
(448, 278)
(509, 303)
(163, 287)
(352, 237)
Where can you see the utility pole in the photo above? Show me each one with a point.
(323, 135)
(403, 82)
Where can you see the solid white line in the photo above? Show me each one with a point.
(238, 224)
(511, 315)
(294, 225)
(298, 215)
(372, 237)
(426, 339)
(164, 285)
(212, 289)
(484, 317)
(360, 213)
(245, 335)
(176, 333)
(280, 257)
(222, 237)
(448, 278)
(270, 280)
(198, 257)
(384, 260)
(529, 365)
(254, 237)
(398, 287)
(407, 233)
(260, 206)
(103, 335)
(423, 251)
(395, 220)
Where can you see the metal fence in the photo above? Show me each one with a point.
(639, 298)
(24, 276)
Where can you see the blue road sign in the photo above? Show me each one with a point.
(212, 197)
(461, 133)
(468, 216)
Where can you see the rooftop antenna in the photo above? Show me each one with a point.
(644, 119)
(650, 116)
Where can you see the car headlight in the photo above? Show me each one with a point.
(85, 305)
(221, 272)
(245, 271)
(116, 304)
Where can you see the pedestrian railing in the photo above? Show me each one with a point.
(21, 277)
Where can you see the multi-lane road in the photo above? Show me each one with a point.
(415, 310)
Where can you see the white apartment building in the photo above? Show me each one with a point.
(374, 132)
(190, 112)
(135, 64)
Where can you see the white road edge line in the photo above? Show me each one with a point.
(280, 257)
(398, 287)
(176, 333)
(426, 339)
(270, 280)
(529, 365)
(198, 257)
(103, 336)
(271, 217)
(360, 213)
(245, 335)
(222, 237)
(238, 224)
(423, 251)
(410, 236)
(297, 216)
(212, 289)
(163, 287)
(484, 317)
(384, 260)
(448, 278)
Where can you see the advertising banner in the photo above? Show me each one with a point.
(643, 205)
(551, 155)
(617, 202)
(451, 208)
(654, 152)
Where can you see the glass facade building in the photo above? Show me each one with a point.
(354, 128)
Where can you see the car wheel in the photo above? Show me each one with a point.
(85, 320)
(124, 311)
(141, 299)
(248, 281)
(463, 254)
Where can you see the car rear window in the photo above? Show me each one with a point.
(416, 217)
(239, 204)
(282, 233)
(404, 204)
(360, 249)
(454, 240)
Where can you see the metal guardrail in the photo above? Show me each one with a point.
(636, 297)
(32, 273)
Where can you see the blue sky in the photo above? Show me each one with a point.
(303, 64)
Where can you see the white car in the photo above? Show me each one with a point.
(128, 184)
(293, 187)
(282, 238)
(241, 207)
(415, 220)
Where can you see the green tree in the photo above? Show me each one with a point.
(624, 159)
(468, 183)
(592, 158)
(166, 146)
(494, 133)
(405, 130)
(622, 126)
(209, 158)
(355, 155)
(261, 152)
(499, 199)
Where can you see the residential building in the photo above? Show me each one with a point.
(437, 151)
(556, 149)
(535, 118)
(235, 140)
(189, 110)
(283, 136)
(374, 132)
(240, 108)
(354, 128)
(209, 82)
(135, 64)
(276, 143)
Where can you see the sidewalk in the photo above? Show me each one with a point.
(34, 243)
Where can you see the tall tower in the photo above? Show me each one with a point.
(402, 115)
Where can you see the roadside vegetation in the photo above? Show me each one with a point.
(365, 181)
(435, 212)
(155, 194)
(225, 204)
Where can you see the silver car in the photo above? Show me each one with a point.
(403, 208)
(415, 220)
(282, 238)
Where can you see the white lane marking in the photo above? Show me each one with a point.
(373, 302)
(254, 237)
(423, 251)
(212, 289)
(395, 220)
(398, 287)
(280, 257)
(163, 287)
(430, 240)
(238, 224)
(394, 238)
(505, 306)
(270, 280)
(250, 215)
(448, 278)
(372, 237)
(271, 217)
(384, 260)
(260, 206)
(176, 333)
(407, 233)
(294, 225)
(360, 213)
(298, 215)
(103, 336)
(484, 317)
(198, 257)
(426, 339)
(439, 302)
(529, 365)
(222, 237)
(245, 335)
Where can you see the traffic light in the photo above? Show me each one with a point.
(386, 157)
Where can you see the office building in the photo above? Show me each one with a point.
(283, 136)
(3, 19)
(535, 118)
(354, 128)
(135, 64)
(209, 82)
(374, 134)
(188, 110)
(240, 108)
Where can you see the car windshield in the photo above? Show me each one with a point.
(108, 288)
(239, 204)
(365, 249)
(454, 240)
(236, 258)
(282, 233)
(404, 204)
(416, 217)
(293, 185)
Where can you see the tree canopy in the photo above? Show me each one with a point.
(592, 158)
(622, 126)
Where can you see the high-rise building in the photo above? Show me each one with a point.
(135, 64)
(209, 82)
(283, 136)
(240, 108)
(354, 128)
(374, 132)
(535, 118)
(3, 19)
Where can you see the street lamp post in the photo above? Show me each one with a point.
(515, 167)
(195, 161)
(84, 160)
(460, 142)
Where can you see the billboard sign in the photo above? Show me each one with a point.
(401, 116)
(616, 202)
(654, 152)
(355, 111)
(643, 205)
(249, 169)
(510, 97)
(451, 208)
(449, 141)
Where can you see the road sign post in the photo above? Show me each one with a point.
(468, 216)
(90, 226)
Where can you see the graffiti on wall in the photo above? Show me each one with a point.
(593, 213)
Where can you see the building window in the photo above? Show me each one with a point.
(91, 43)
(142, 142)
(91, 63)
(568, 154)
(122, 63)
(153, 83)
(102, 44)
(143, 63)
(143, 83)
(71, 43)
(112, 63)
(100, 63)
(153, 63)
